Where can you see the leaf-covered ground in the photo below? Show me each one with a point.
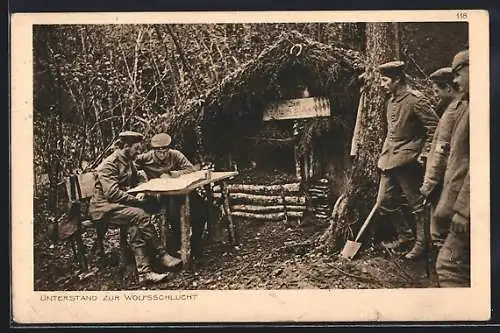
(271, 255)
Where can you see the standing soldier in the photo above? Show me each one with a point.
(162, 161)
(115, 175)
(453, 261)
(449, 102)
(411, 123)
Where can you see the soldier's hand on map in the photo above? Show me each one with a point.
(165, 175)
(140, 196)
(175, 174)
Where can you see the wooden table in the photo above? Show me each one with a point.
(184, 185)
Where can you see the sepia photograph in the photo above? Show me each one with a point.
(315, 155)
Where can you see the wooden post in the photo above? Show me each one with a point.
(185, 233)
(311, 162)
(285, 218)
(210, 215)
(305, 158)
(164, 219)
(227, 212)
(357, 127)
(298, 172)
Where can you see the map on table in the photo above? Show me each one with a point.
(169, 184)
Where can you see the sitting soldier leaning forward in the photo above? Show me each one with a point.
(114, 176)
(162, 161)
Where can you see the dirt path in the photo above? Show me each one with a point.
(271, 255)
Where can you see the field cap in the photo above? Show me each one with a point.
(392, 68)
(161, 140)
(442, 75)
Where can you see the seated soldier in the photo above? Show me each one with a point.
(162, 161)
(115, 175)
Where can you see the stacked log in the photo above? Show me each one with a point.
(320, 203)
(265, 202)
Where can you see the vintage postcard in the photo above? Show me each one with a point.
(206, 167)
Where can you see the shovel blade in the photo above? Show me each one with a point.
(350, 249)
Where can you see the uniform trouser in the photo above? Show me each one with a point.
(398, 182)
(453, 261)
(439, 229)
(142, 232)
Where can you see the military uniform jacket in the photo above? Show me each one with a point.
(114, 176)
(154, 167)
(440, 149)
(411, 123)
(455, 197)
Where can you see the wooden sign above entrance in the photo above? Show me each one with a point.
(298, 108)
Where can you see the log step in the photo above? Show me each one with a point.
(271, 217)
(276, 208)
(264, 199)
(256, 189)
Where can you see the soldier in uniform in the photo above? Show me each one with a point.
(453, 261)
(411, 123)
(163, 161)
(114, 176)
(449, 101)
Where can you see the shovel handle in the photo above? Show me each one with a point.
(365, 224)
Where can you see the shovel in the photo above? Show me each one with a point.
(352, 247)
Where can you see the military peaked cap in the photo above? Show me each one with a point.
(160, 140)
(460, 60)
(393, 68)
(442, 75)
(131, 135)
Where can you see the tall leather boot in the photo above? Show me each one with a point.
(420, 243)
(145, 274)
(161, 254)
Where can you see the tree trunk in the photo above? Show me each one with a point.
(359, 194)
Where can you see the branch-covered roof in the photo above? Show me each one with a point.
(326, 67)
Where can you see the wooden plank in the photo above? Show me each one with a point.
(265, 199)
(272, 217)
(233, 188)
(186, 233)
(262, 209)
(299, 108)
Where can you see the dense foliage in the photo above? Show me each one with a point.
(92, 81)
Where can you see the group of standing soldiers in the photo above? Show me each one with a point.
(425, 159)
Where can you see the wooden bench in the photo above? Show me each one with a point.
(80, 188)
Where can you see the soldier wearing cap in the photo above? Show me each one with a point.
(114, 176)
(449, 100)
(453, 261)
(411, 123)
(163, 161)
